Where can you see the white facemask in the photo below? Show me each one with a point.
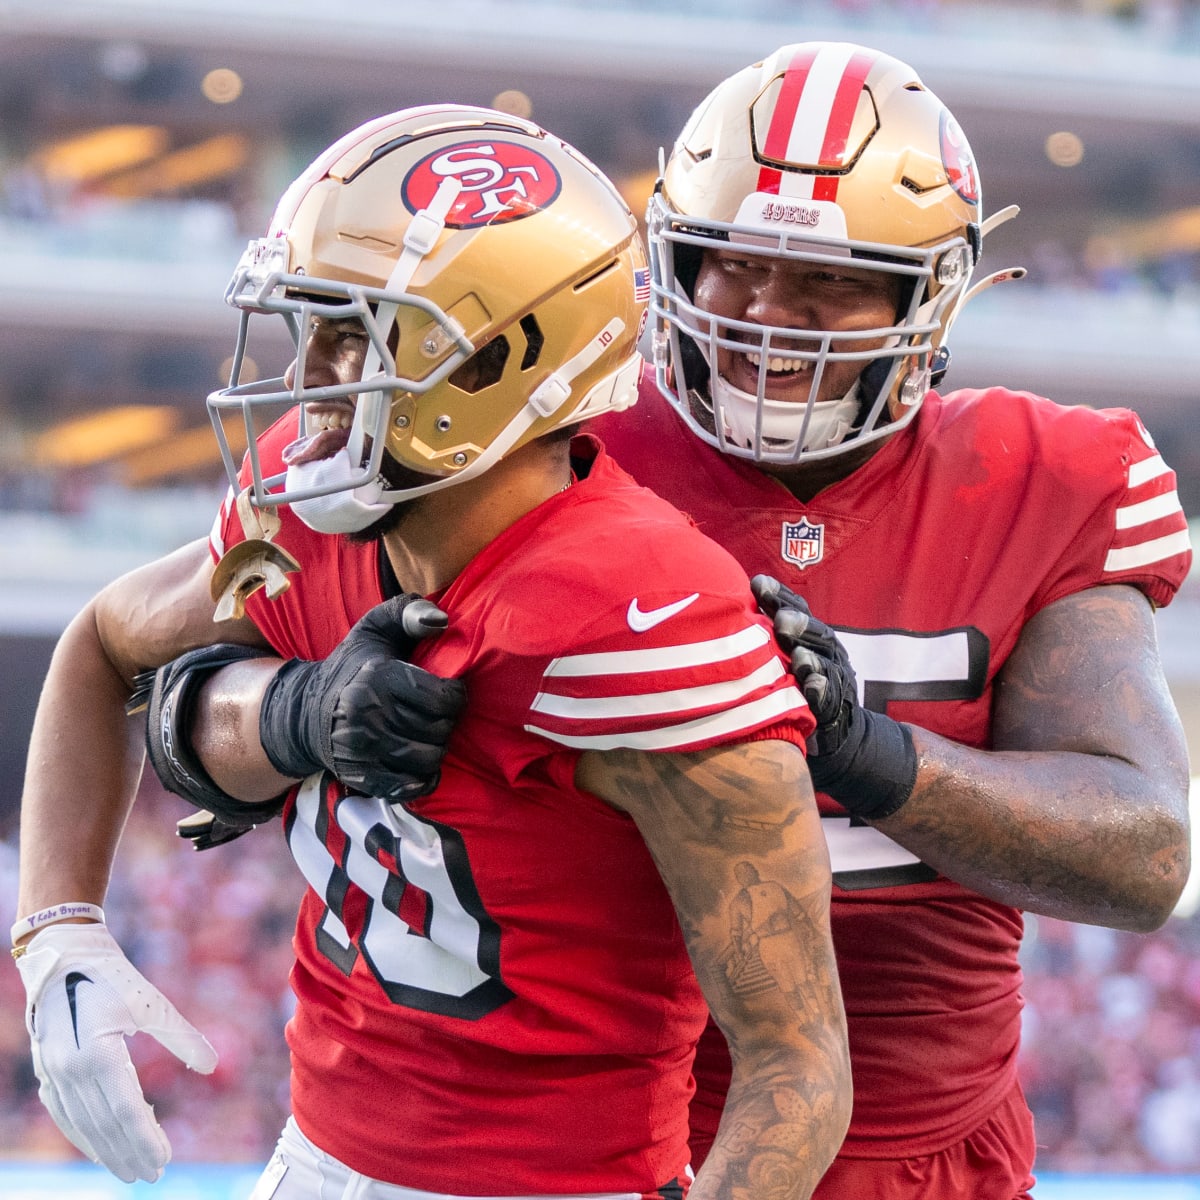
(829, 424)
(345, 511)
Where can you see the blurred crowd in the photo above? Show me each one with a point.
(1111, 1063)
(1111, 1060)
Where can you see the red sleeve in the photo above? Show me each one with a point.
(711, 674)
(1148, 535)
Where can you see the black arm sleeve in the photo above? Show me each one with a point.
(168, 729)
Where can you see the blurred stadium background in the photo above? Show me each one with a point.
(143, 141)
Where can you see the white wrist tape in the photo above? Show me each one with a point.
(56, 912)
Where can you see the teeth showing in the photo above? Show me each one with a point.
(327, 419)
(794, 366)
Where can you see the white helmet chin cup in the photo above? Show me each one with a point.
(348, 511)
(737, 412)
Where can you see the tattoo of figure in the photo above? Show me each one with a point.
(764, 922)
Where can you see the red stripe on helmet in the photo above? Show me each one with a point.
(841, 117)
(825, 187)
(795, 76)
(838, 124)
(845, 104)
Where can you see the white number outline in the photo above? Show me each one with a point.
(450, 966)
(898, 664)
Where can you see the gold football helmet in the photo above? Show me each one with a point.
(499, 277)
(822, 153)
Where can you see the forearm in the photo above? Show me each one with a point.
(788, 1104)
(1079, 809)
(83, 768)
(1077, 836)
(225, 731)
(85, 754)
(782, 1124)
(737, 840)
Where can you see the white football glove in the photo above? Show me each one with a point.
(84, 997)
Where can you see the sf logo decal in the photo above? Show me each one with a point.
(958, 160)
(501, 181)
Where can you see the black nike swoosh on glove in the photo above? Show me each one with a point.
(73, 980)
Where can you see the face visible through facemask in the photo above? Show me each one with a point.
(791, 295)
(334, 451)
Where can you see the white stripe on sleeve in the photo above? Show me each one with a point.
(653, 703)
(729, 721)
(1144, 553)
(1131, 515)
(1147, 469)
(667, 658)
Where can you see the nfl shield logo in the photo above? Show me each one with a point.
(802, 543)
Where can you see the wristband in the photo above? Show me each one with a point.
(873, 772)
(56, 912)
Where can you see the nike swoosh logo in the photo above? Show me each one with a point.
(640, 621)
(73, 980)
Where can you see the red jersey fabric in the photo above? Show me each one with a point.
(493, 993)
(928, 560)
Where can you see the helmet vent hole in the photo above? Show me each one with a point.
(595, 275)
(534, 340)
(484, 368)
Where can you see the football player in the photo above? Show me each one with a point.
(995, 730)
(505, 955)
(995, 733)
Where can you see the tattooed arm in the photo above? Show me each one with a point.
(1080, 809)
(736, 837)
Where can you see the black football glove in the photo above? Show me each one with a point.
(377, 722)
(862, 759)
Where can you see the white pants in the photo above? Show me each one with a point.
(300, 1171)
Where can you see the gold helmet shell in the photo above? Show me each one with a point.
(499, 275)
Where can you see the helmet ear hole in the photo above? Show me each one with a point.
(535, 339)
(484, 368)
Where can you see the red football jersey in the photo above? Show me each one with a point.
(928, 560)
(494, 996)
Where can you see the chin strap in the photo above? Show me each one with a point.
(419, 239)
(829, 422)
(616, 390)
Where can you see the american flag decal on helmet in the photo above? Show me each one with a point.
(641, 284)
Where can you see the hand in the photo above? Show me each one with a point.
(819, 661)
(84, 997)
(377, 722)
(862, 759)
